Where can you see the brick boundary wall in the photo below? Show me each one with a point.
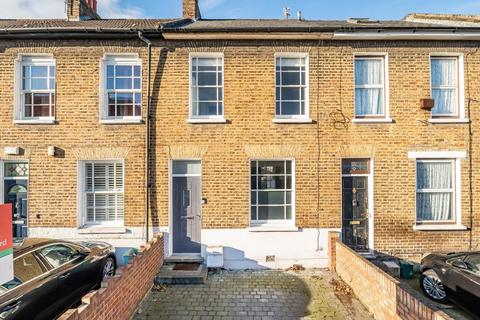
(379, 292)
(119, 296)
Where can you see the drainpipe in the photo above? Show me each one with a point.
(147, 137)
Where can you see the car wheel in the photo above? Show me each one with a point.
(108, 268)
(432, 286)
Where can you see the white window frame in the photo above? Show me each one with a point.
(205, 119)
(442, 156)
(109, 59)
(18, 99)
(459, 116)
(382, 118)
(305, 118)
(266, 224)
(82, 196)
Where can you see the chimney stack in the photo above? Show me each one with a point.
(191, 10)
(82, 10)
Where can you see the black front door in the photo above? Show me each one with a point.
(16, 193)
(355, 216)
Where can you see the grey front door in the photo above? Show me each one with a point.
(186, 207)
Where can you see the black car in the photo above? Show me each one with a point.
(50, 276)
(453, 276)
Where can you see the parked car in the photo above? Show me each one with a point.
(452, 276)
(51, 275)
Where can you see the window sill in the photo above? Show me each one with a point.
(207, 120)
(292, 120)
(449, 121)
(39, 121)
(101, 230)
(272, 228)
(121, 121)
(373, 120)
(439, 227)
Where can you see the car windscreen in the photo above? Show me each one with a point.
(58, 254)
(473, 263)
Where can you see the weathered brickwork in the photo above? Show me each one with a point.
(249, 109)
(226, 149)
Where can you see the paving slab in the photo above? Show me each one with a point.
(252, 294)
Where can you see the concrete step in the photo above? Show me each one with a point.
(184, 259)
(168, 275)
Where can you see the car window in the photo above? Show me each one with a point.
(25, 268)
(473, 262)
(58, 254)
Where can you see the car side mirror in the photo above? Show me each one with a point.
(460, 264)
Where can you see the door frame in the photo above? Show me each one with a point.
(2, 185)
(371, 231)
(170, 200)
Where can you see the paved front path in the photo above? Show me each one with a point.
(253, 295)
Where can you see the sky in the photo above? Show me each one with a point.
(226, 9)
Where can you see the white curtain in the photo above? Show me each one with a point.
(369, 87)
(434, 205)
(444, 82)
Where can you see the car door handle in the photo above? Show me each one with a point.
(10, 307)
(64, 276)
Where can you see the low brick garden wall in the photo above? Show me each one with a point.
(379, 292)
(120, 295)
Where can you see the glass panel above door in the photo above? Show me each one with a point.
(184, 167)
(355, 166)
(16, 170)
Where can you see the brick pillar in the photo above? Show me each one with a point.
(333, 237)
(82, 10)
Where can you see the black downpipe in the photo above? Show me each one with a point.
(147, 137)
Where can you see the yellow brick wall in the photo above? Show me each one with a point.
(226, 149)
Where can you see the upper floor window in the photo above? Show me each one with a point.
(206, 87)
(371, 87)
(291, 97)
(122, 89)
(446, 86)
(35, 92)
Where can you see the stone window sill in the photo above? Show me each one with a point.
(37, 121)
(207, 120)
(102, 230)
(439, 227)
(448, 121)
(373, 120)
(292, 120)
(121, 121)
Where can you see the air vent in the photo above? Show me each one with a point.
(362, 21)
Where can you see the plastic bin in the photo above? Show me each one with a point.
(406, 270)
(129, 255)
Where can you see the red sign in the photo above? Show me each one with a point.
(6, 234)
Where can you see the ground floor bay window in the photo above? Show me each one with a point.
(272, 198)
(102, 193)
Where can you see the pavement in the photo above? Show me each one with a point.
(266, 294)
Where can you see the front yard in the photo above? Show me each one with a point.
(270, 294)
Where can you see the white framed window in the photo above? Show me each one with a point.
(438, 189)
(102, 192)
(35, 89)
(121, 89)
(272, 192)
(371, 88)
(447, 86)
(291, 86)
(206, 87)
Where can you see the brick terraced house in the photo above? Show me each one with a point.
(263, 135)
